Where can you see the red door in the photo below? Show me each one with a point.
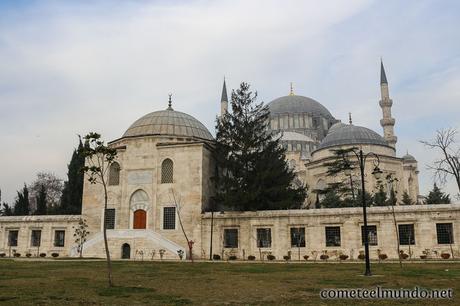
(140, 217)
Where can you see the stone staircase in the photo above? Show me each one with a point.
(147, 237)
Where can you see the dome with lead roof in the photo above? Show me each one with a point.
(293, 104)
(168, 123)
(348, 134)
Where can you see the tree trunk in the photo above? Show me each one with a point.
(397, 234)
(106, 245)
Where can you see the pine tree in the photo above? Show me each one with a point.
(72, 193)
(41, 202)
(253, 172)
(380, 197)
(22, 205)
(406, 200)
(331, 200)
(436, 196)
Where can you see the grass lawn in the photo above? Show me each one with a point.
(173, 283)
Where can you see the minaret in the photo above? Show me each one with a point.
(224, 100)
(387, 122)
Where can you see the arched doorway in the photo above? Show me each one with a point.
(140, 219)
(125, 251)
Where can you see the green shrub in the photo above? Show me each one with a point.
(251, 257)
(55, 255)
(216, 257)
(271, 257)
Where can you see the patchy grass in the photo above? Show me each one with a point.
(176, 283)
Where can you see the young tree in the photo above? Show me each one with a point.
(349, 184)
(22, 205)
(99, 157)
(53, 187)
(72, 193)
(436, 196)
(41, 202)
(392, 202)
(80, 235)
(448, 165)
(406, 200)
(253, 174)
(177, 203)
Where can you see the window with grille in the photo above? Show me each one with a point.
(444, 232)
(298, 237)
(59, 238)
(169, 218)
(13, 238)
(264, 238)
(332, 236)
(406, 234)
(114, 174)
(35, 238)
(371, 234)
(230, 238)
(110, 218)
(167, 171)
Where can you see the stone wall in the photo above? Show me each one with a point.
(47, 224)
(423, 217)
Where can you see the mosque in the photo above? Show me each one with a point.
(160, 188)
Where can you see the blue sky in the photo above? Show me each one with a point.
(67, 68)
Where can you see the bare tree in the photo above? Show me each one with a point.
(99, 157)
(81, 234)
(177, 202)
(448, 164)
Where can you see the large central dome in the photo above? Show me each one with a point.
(295, 104)
(168, 122)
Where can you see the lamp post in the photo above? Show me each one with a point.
(377, 173)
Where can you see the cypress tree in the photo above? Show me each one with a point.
(72, 193)
(41, 202)
(253, 172)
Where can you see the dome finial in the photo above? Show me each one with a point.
(291, 93)
(349, 119)
(170, 102)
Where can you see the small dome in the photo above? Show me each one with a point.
(408, 158)
(336, 126)
(294, 104)
(347, 134)
(168, 122)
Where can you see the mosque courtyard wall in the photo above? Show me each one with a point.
(347, 222)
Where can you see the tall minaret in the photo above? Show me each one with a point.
(224, 100)
(387, 122)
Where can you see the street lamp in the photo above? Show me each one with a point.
(378, 174)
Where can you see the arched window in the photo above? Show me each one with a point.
(114, 174)
(167, 170)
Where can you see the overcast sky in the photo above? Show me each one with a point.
(67, 68)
